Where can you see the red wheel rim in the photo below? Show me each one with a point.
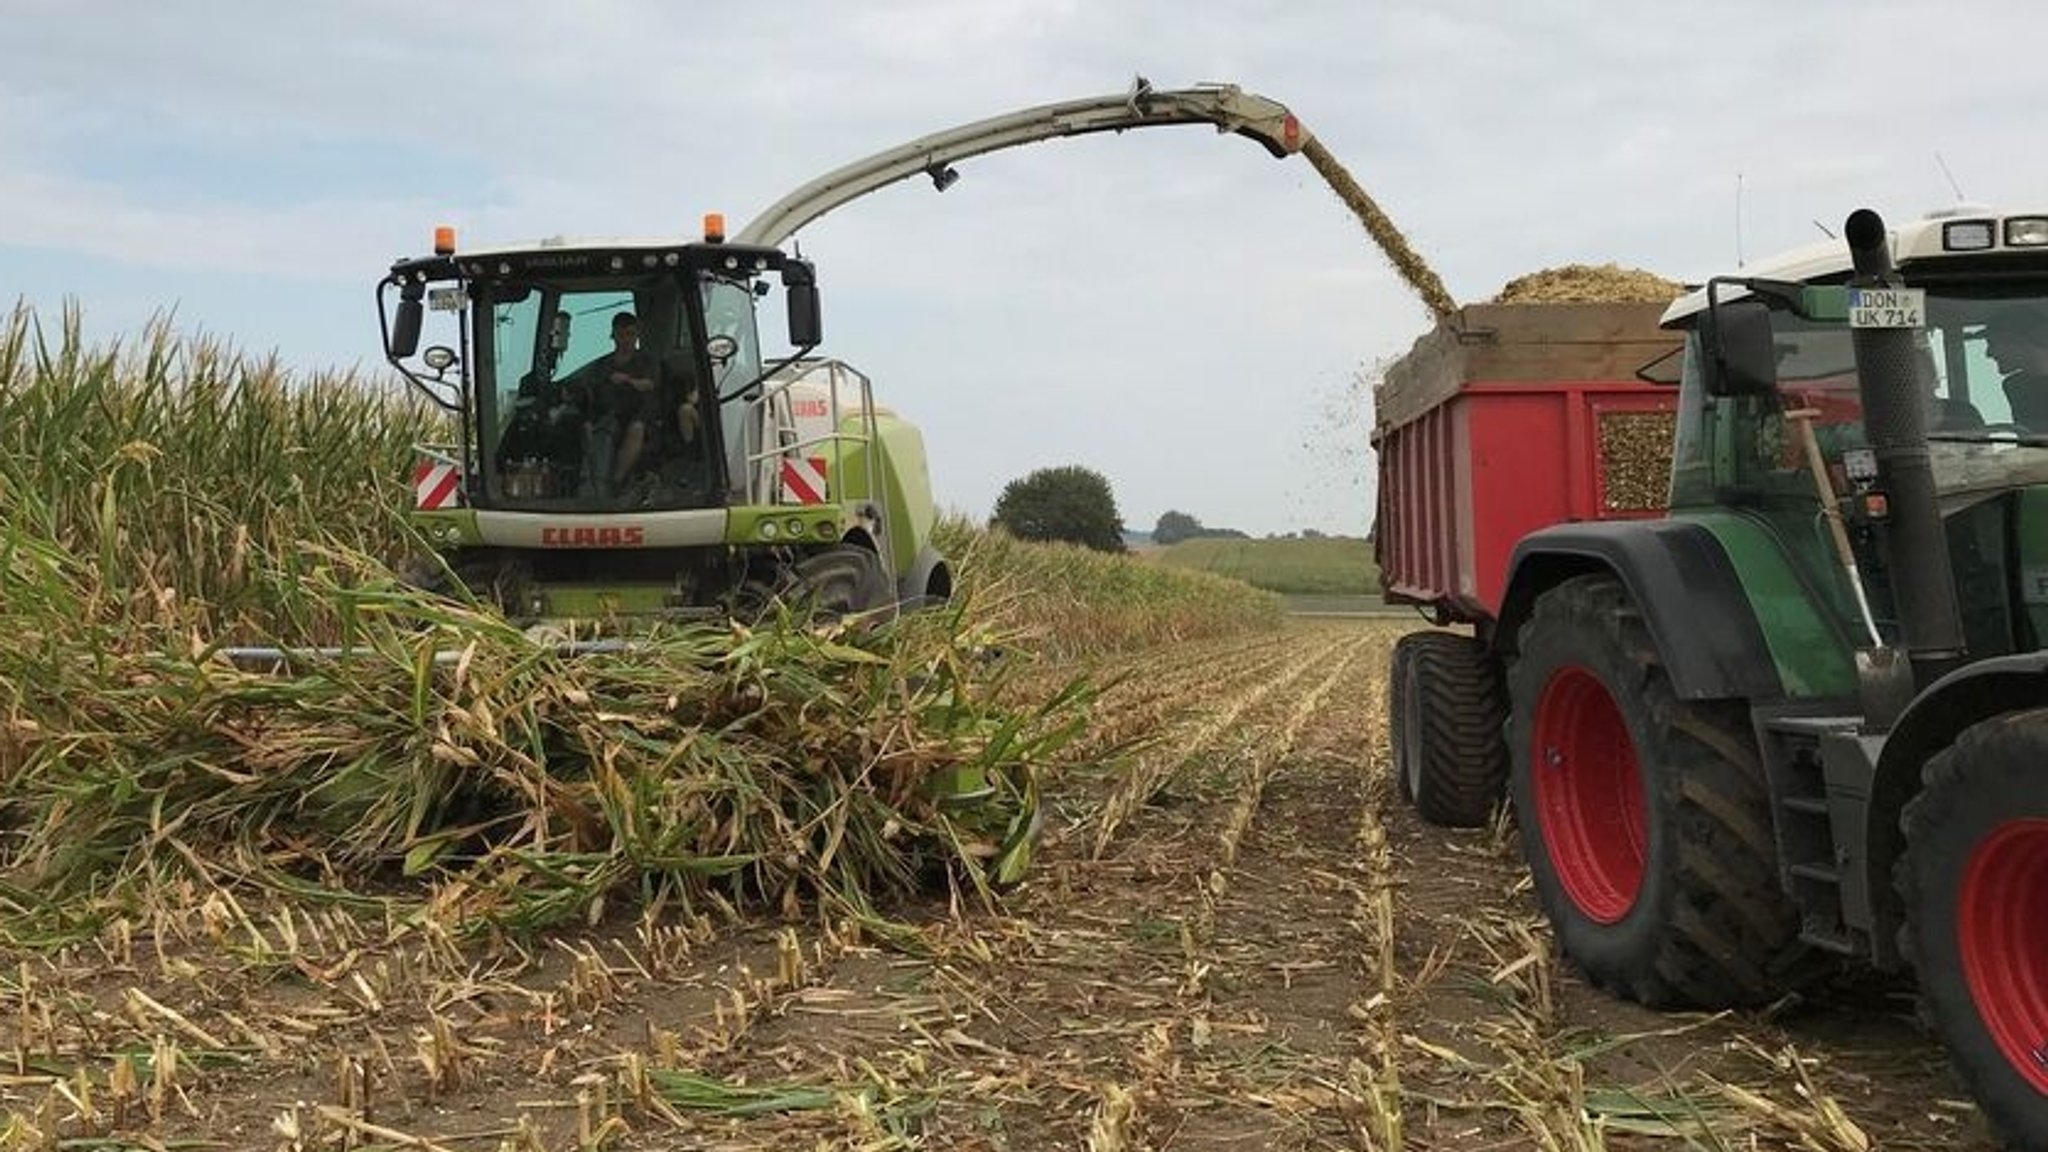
(2002, 924)
(1589, 795)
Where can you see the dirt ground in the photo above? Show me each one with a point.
(1234, 937)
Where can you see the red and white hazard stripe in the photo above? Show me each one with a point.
(436, 484)
(803, 479)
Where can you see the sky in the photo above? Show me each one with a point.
(1171, 307)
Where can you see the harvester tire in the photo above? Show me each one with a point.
(844, 580)
(1974, 878)
(1644, 818)
(1449, 751)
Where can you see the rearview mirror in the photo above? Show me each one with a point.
(405, 328)
(806, 322)
(1745, 354)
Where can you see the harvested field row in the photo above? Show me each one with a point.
(1267, 952)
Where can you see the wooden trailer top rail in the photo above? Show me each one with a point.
(1505, 343)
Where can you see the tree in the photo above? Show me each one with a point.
(1070, 503)
(1173, 527)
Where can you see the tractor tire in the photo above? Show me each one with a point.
(1450, 753)
(1974, 877)
(1644, 818)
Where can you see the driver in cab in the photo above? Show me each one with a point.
(618, 389)
(2017, 341)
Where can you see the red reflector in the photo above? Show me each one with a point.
(1876, 506)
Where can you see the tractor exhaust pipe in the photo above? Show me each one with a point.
(1914, 542)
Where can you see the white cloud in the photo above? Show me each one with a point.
(1174, 308)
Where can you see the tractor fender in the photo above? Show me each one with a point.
(1679, 577)
(1969, 695)
(930, 577)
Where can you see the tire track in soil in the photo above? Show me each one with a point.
(1264, 1043)
(1181, 750)
(1145, 702)
(1125, 951)
(1055, 1026)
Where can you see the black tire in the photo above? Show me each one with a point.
(844, 580)
(1990, 781)
(1450, 753)
(495, 583)
(1397, 711)
(1707, 924)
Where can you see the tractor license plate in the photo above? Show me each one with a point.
(1887, 308)
(447, 299)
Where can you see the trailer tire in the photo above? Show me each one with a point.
(1397, 712)
(1974, 877)
(1450, 753)
(1644, 818)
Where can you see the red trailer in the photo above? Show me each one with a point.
(1507, 418)
(1504, 419)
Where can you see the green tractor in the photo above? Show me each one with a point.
(1802, 717)
(622, 449)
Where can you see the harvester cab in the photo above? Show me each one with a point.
(620, 445)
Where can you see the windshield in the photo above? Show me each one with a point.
(591, 396)
(1985, 358)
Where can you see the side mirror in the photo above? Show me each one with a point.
(1745, 353)
(806, 321)
(405, 329)
(721, 349)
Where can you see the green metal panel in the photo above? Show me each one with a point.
(1811, 657)
(908, 512)
(450, 527)
(816, 524)
(597, 601)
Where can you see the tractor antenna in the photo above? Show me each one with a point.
(1823, 229)
(1738, 220)
(1951, 178)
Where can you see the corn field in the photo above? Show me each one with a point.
(701, 893)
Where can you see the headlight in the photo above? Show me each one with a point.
(1966, 236)
(826, 528)
(796, 526)
(768, 529)
(2027, 231)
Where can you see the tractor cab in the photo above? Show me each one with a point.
(1771, 402)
